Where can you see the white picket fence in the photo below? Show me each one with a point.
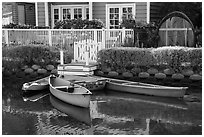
(77, 40)
(65, 37)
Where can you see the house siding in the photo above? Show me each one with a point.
(141, 11)
(99, 11)
(41, 14)
(154, 11)
(30, 14)
(15, 12)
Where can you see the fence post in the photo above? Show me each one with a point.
(103, 39)
(123, 34)
(50, 37)
(6, 36)
(95, 36)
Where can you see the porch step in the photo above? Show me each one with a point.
(76, 69)
(81, 73)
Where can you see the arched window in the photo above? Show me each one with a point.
(176, 29)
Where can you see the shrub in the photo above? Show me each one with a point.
(169, 72)
(152, 71)
(187, 72)
(143, 75)
(126, 58)
(178, 57)
(35, 54)
(135, 71)
(160, 75)
(17, 26)
(112, 73)
(195, 77)
(79, 24)
(127, 75)
(144, 33)
(177, 76)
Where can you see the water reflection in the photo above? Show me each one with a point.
(34, 96)
(79, 113)
(110, 113)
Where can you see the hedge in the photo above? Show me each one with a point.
(175, 58)
(34, 54)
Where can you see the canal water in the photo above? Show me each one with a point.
(110, 113)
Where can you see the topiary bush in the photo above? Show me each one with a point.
(113, 74)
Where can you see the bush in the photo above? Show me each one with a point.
(127, 74)
(79, 24)
(126, 58)
(113, 74)
(17, 26)
(34, 54)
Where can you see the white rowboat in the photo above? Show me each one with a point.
(40, 84)
(68, 92)
(146, 89)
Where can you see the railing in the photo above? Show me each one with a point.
(65, 38)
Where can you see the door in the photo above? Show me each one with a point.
(21, 14)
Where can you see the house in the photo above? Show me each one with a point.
(111, 13)
(20, 12)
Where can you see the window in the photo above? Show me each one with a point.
(77, 13)
(64, 12)
(117, 12)
(114, 18)
(87, 13)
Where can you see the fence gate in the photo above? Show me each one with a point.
(84, 47)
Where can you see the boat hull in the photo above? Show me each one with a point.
(156, 90)
(37, 85)
(80, 97)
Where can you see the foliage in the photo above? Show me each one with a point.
(198, 37)
(79, 24)
(34, 54)
(17, 26)
(126, 59)
(145, 33)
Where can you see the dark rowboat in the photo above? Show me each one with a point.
(146, 89)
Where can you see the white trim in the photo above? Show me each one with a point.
(148, 12)
(36, 13)
(120, 6)
(90, 10)
(46, 14)
(173, 29)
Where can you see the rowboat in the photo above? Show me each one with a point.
(146, 89)
(78, 113)
(68, 92)
(40, 84)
